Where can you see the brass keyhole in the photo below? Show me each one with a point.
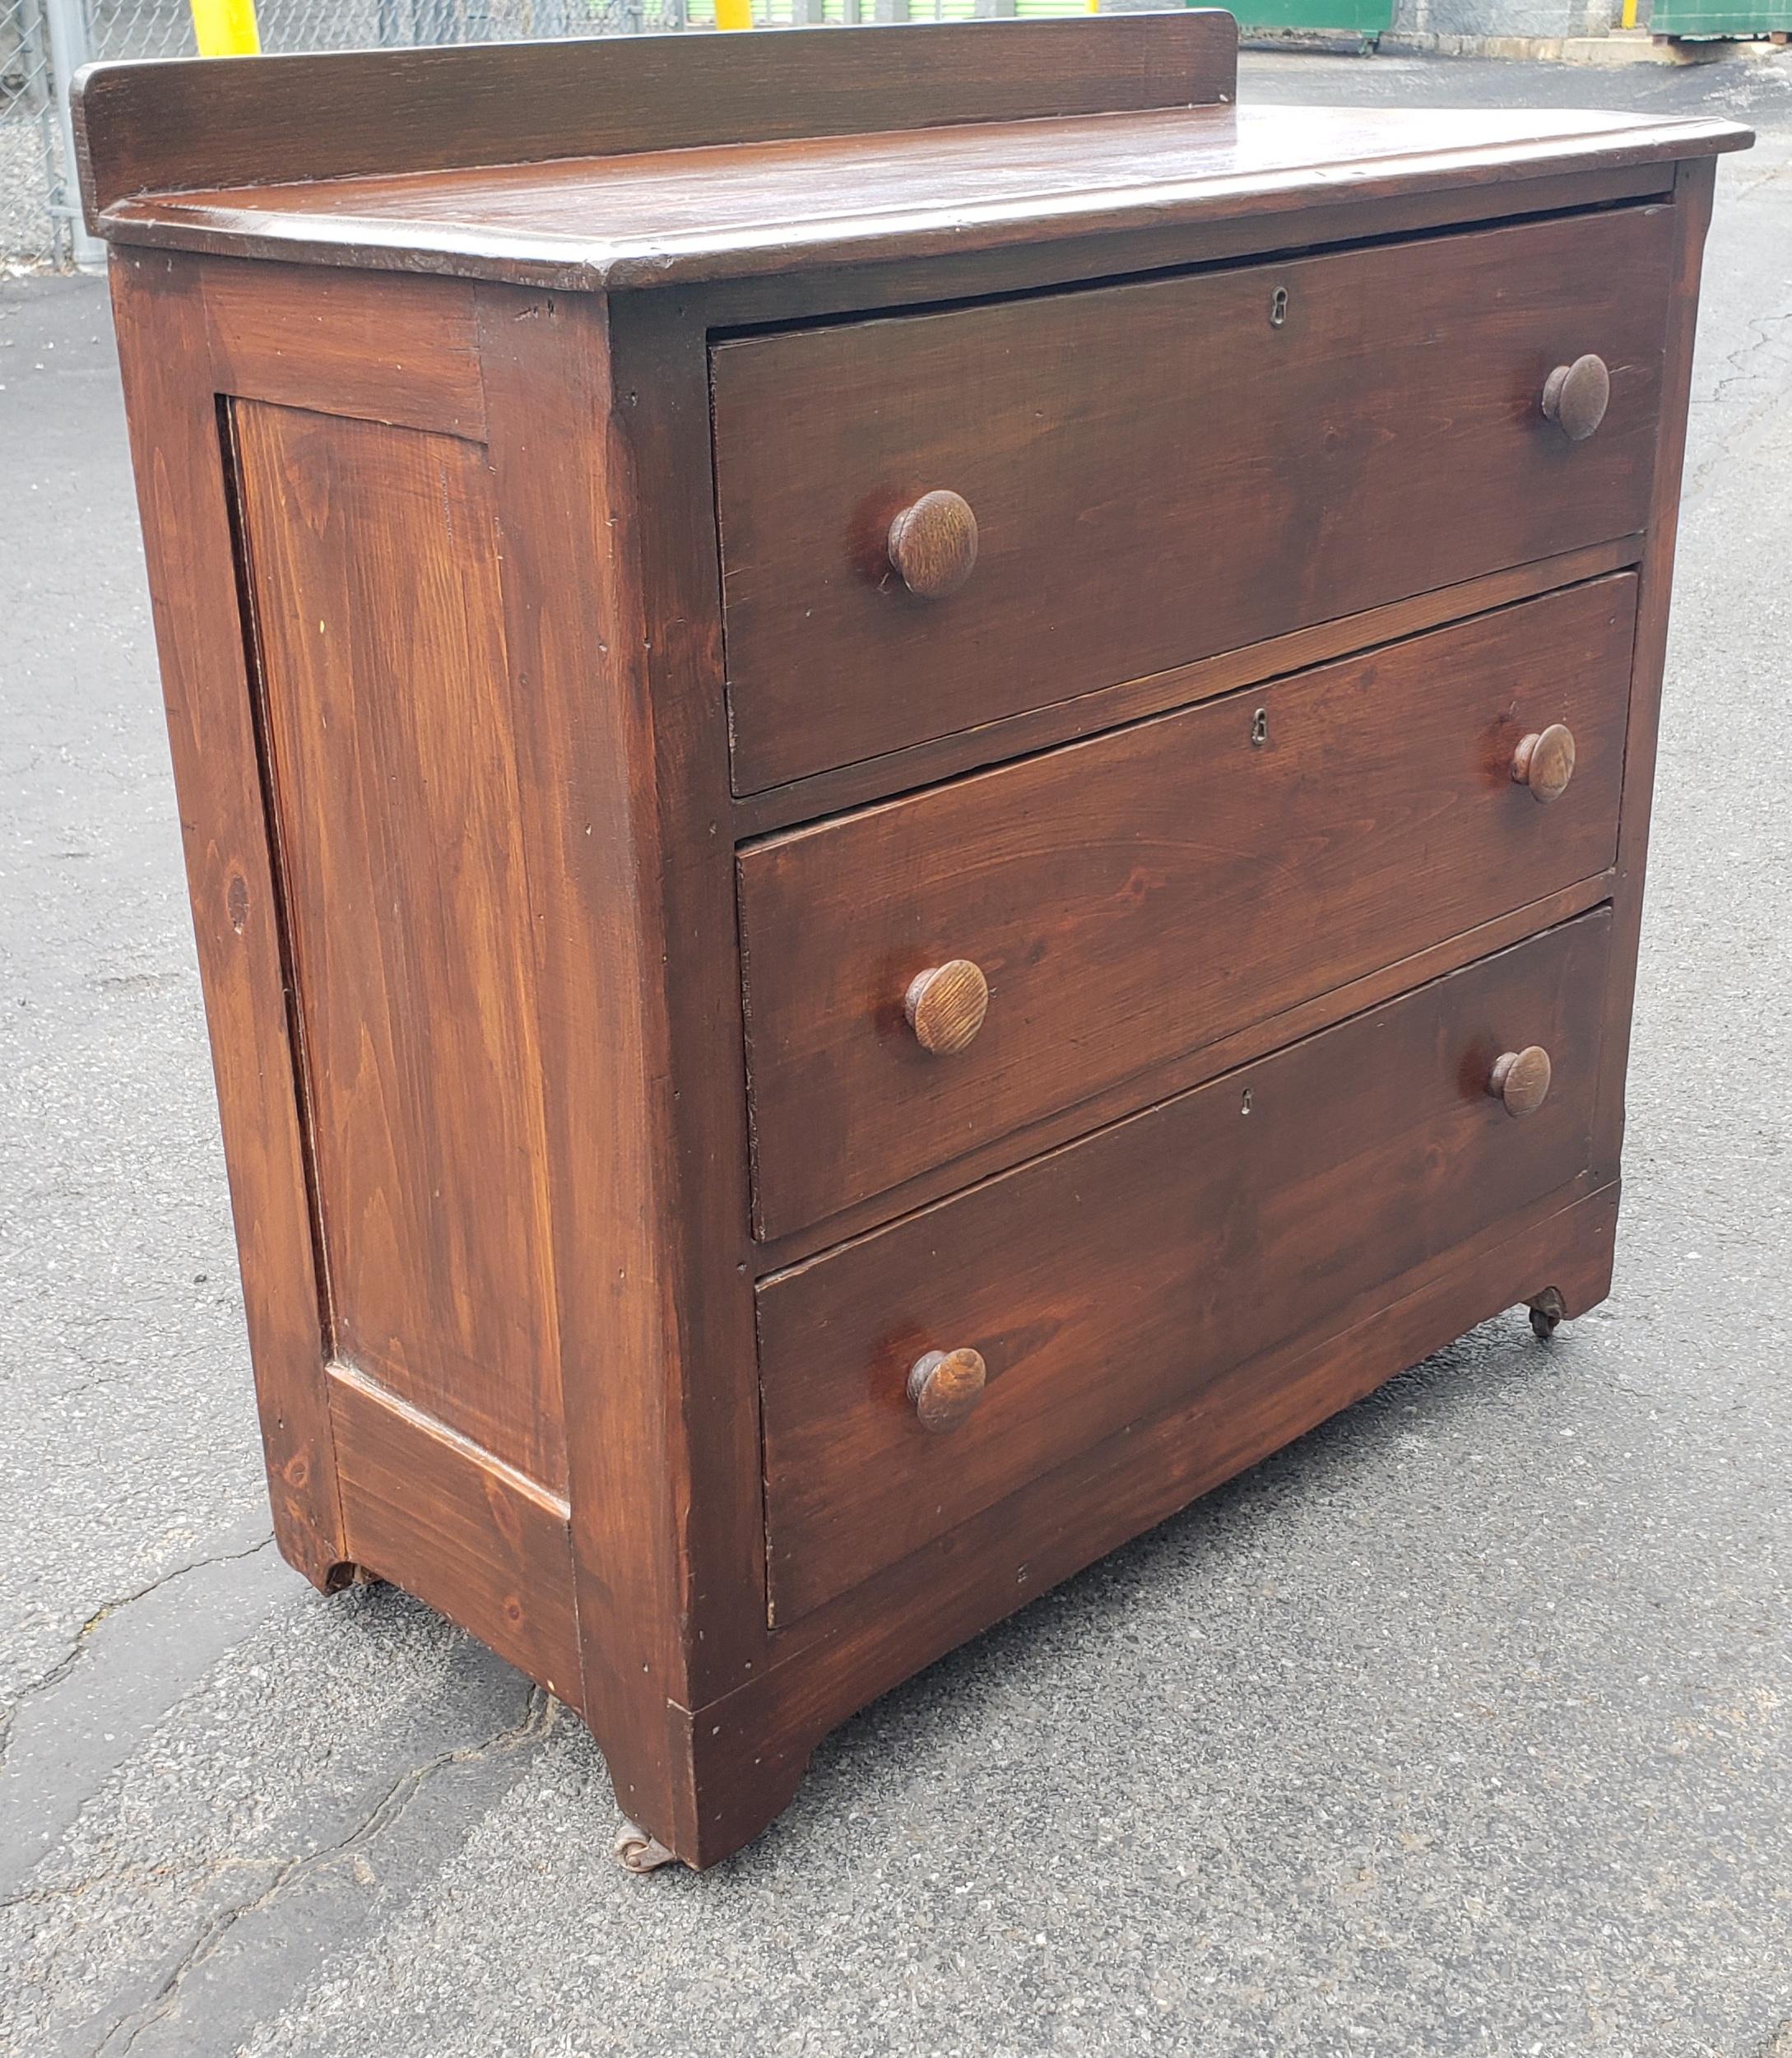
(1259, 728)
(1279, 307)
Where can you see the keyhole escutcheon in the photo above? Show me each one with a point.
(1279, 307)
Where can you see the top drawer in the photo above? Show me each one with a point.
(1162, 471)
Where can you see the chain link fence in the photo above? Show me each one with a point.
(43, 42)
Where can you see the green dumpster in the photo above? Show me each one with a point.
(1365, 18)
(1720, 17)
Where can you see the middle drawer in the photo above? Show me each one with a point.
(1129, 899)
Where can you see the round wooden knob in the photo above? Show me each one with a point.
(1520, 1078)
(946, 1005)
(933, 545)
(945, 1386)
(1545, 761)
(1575, 397)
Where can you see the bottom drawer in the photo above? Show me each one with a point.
(1110, 1279)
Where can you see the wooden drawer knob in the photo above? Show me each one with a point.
(946, 1005)
(945, 1386)
(1545, 761)
(933, 545)
(1575, 396)
(1520, 1078)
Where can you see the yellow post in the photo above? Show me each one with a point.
(734, 14)
(226, 28)
(1630, 14)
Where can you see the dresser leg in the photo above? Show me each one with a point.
(345, 1573)
(637, 1851)
(1547, 1312)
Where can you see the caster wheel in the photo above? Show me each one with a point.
(1546, 1314)
(637, 1851)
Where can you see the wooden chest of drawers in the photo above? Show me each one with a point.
(915, 768)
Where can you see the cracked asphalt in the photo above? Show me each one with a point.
(1461, 1727)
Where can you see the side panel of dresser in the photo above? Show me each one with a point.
(416, 760)
(1694, 182)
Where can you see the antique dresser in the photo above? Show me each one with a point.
(915, 768)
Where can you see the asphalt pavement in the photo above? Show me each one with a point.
(1460, 1727)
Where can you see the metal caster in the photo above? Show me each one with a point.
(1546, 1314)
(637, 1851)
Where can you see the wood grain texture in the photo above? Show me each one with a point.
(1386, 439)
(992, 742)
(150, 127)
(932, 544)
(397, 350)
(1575, 396)
(1286, 214)
(1179, 1075)
(836, 1661)
(585, 759)
(660, 430)
(1521, 1079)
(466, 886)
(944, 1387)
(616, 677)
(778, 211)
(944, 1006)
(210, 696)
(1543, 762)
(1693, 215)
(374, 565)
(1107, 1281)
(1134, 897)
(435, 1514)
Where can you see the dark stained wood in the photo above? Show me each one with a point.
(1543, 763)
(945, 1005)
(924, 764)
(1520, 1079)
(433, 1513)
(1106, 1281)
(1132, 898)
(616, 674)
(397, 350)
(1306, 1017)
(373, 560)
(1575, 396)
(932, 544)
(1295, 213)
(778, 210)
(577, 687)
(1693, 215)
(1386, 439)
(464, 862)
(178, 454)
(944, 1387)
(278, 120)
(659, 429)
(844, 1655)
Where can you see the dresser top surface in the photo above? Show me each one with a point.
(922, 178)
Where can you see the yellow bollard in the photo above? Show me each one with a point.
(226, 28)
(734, 14)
